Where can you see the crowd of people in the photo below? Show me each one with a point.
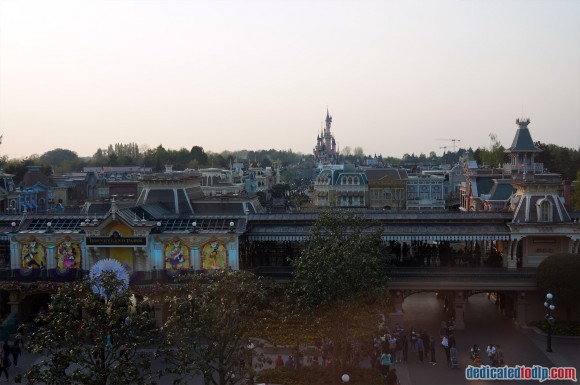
(494, 355)
(9, 355)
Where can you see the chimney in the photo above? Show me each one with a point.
(567, 194)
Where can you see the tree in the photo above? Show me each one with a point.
(339, 280)
(359, 153)
(559, 274)
(562, 160)
(346, 151)
(55, 157)
(209, 327)
(93, 339)
(198, 155)
(494, 155)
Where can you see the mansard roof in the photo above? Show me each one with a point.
(502, 190)
(389, 173)
(527, 209)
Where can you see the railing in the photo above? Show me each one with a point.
(463, 274)
(534, 168)
(426, 274)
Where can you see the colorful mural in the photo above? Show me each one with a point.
(68, 255)
(33, 255)
(176, 255)
(214, 255)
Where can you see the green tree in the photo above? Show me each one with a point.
(561, 160)
(559, 274)
(55, 157)
(198, 155)
(494, 155)
(19, 167)
(359, 153)
(209, 327)
(339, 281)
(91, 339)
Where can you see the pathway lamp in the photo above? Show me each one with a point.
(550, 307)
(345, 378)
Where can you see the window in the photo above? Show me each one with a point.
(544, 211)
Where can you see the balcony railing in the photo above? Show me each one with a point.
(534, 168)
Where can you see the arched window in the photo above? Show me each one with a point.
(544, 207)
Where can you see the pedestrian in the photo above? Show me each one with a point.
(392, 378)
(443, 329)
(6, 349)
(432, 350)
(490, 350)
(445, 345)
(19, 341)
(279, 362)
(4, 365)
(425, 338)
(420, 348)
(413, 340)
(16, 351)
(385, 363)
(289, 362)
(499, 354)
(392, 345)
(241, 359)
(451, 339)
(405, 348)
(399, 350)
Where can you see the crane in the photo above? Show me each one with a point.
(451, 140)
(444, 149)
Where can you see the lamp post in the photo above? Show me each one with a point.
(549, 305)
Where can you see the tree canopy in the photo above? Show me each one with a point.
(559, 274)
(92, 340)
(342, 259)
(210, 324)
(339, 284)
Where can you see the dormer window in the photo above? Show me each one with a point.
(544, 208)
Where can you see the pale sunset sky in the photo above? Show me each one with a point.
(396, 76)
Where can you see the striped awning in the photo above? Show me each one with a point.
(449, 238)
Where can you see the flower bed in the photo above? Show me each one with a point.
(560, 328)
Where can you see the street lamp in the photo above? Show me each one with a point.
(549, 305)
(345, 378)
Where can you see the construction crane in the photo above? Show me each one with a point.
(451, 140)
(444, 149)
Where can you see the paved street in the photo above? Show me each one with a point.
(483, 326)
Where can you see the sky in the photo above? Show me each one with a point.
(397, 76)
